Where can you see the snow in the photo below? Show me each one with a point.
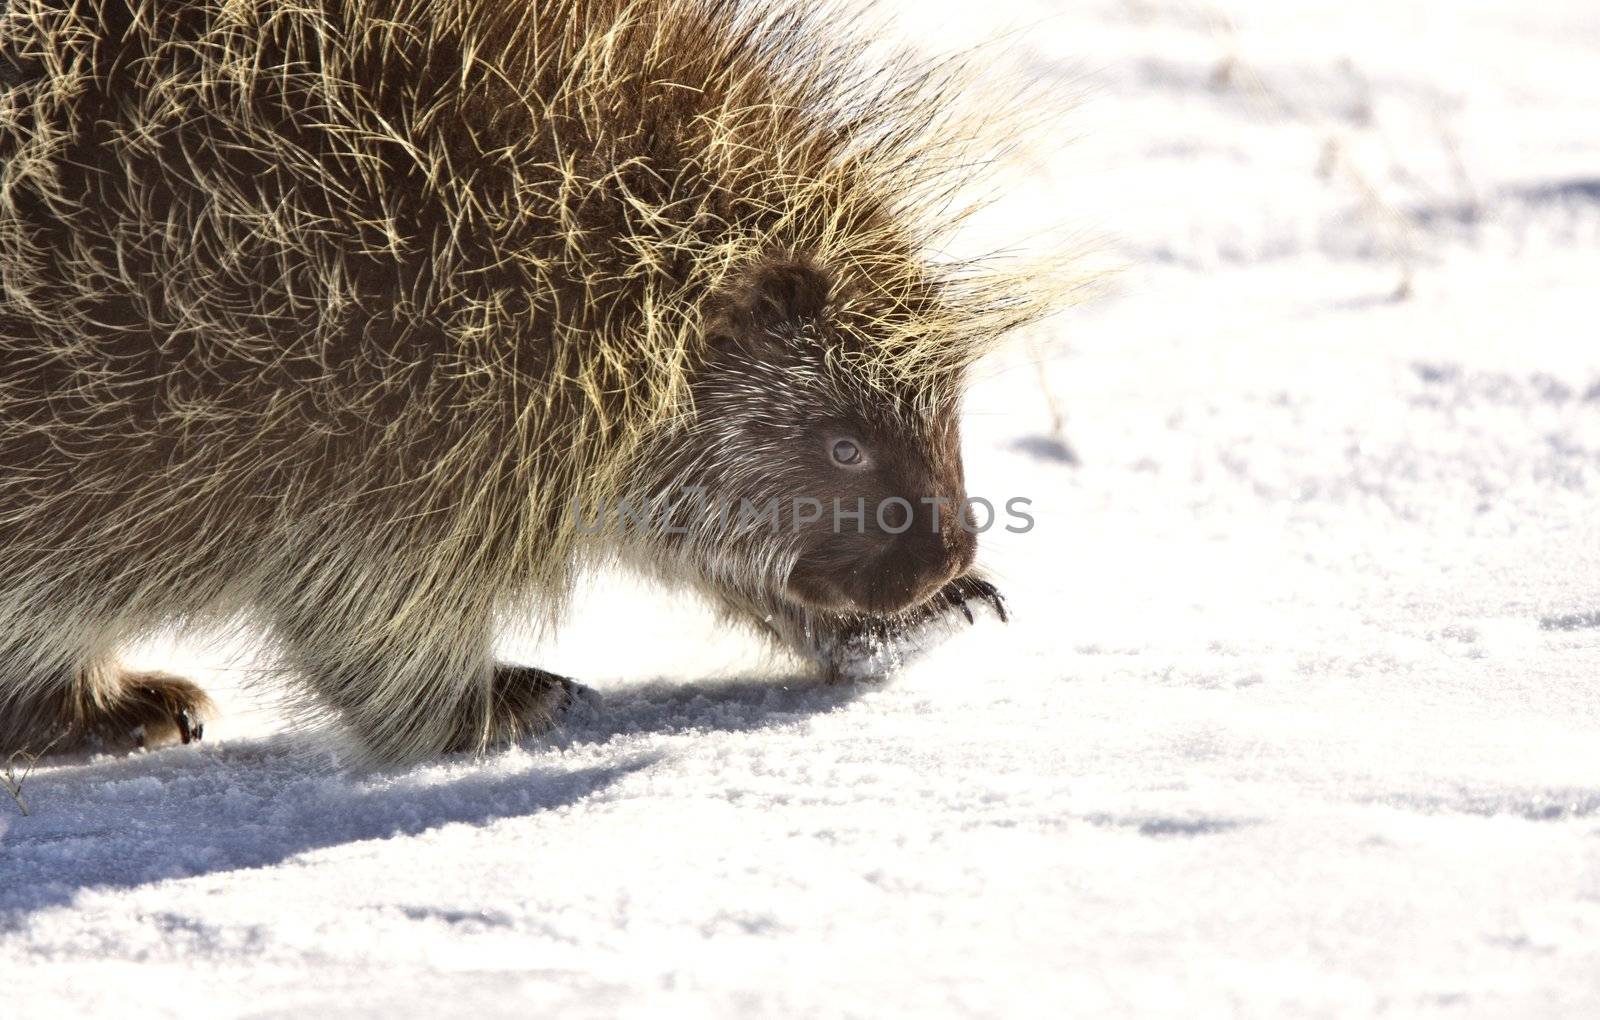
(1299, 714)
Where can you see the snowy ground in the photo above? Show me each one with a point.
(1300, 714)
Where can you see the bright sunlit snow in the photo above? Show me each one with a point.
(1299, 714)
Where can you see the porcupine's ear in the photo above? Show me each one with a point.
(770, 300)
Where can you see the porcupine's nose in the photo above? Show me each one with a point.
(936, 548)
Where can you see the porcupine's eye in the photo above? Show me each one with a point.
(847, 453)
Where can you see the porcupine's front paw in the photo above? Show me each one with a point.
(868, 647)
(528, 701)
(959, 596)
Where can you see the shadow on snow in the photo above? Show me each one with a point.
(183, 812)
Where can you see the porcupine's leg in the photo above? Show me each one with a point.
(855, 646)
(410, 691)
(49, 706)
(872, 645)
(528, 700)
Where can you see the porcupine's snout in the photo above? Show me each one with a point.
(895, 560)
(920, 560)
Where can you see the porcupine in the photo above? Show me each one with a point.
(328, 315)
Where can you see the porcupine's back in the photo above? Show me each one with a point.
(277, 276)
(401, 276)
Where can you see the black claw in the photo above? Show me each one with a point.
(185, 726)
(999, 602)
(199, 731)
(961, 593)
(990, 594)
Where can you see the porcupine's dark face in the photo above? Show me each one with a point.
(869, 486)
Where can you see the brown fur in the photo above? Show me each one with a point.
(324, 314)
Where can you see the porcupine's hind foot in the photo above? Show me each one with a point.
(145, 710)
(867, 647)
(106, 708)
(526, 702)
